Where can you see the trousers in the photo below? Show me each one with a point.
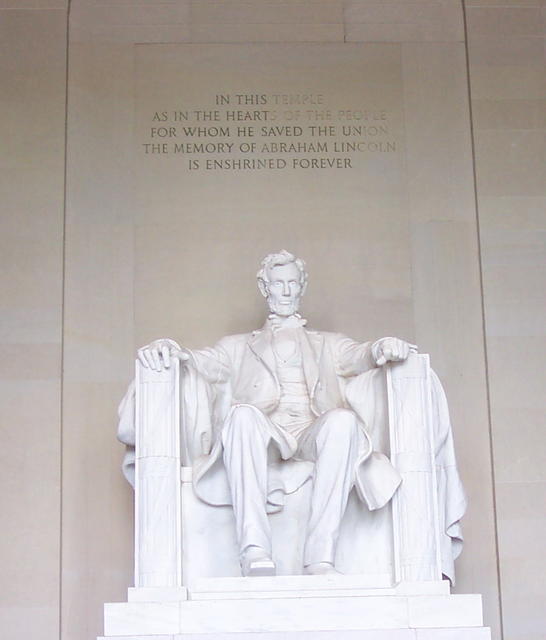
(332, 442)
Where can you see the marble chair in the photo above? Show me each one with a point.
(179, 539)
(187, 575)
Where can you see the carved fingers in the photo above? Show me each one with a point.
(158, 355)
(145, 356)
(156, 359)
(392, 350)
(182, 354)
(166, 355)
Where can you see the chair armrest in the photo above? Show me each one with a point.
(158, 554)
(415, 504)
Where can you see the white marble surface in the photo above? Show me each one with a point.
(307, 586)
(158, 554)
(474, 633)
(319, 406)
(404, 404)
(157, 594)
(285, 383)
(416, 524)
(367, 538)
(445, 611)
(298, 610)
(100, 268)
(141, 617)
(467, 633)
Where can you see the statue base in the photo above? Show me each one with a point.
(296, 608)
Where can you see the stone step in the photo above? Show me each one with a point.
(304, 586)
(291, 614)
(284, 587)
(462, 633)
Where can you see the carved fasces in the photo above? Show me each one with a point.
(415, 504)
(157, 478)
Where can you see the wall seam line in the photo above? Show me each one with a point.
(63, 292)
(484, 325)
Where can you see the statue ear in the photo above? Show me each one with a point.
(262, 286)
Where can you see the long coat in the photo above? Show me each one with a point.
(247, 362)
(339, 373)
(243, 368)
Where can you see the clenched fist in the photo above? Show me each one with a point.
(391, 350)
(158, 354)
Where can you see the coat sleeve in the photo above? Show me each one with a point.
(213, 363)
(126, 433)
(352, 358)
(213, 366)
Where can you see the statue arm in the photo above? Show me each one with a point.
(353, 358)
(212, 363)
(127, 434)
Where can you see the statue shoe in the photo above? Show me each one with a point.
(255, 562)
(321, 569)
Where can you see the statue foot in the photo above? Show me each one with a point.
(256, 562)
(321, 569)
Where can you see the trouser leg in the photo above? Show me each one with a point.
(245, 440)
(337, 438)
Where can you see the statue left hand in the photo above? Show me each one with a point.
(391, 350)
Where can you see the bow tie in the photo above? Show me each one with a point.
(292, 322)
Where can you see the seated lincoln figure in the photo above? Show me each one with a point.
(281, 397)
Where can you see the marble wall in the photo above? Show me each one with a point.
(33, 41)
(124, 243)
(64, 558)
(508, 89)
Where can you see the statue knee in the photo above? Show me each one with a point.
(243, 412)
(243, 419)
(340, 421)
(244, 428)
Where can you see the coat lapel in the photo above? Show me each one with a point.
(312, 344)
(260, 345)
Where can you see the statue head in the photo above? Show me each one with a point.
(282, 280)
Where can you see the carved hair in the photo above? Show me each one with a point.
(278, 259)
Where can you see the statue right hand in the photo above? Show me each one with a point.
(158, 354)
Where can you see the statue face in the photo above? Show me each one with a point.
(284, 289)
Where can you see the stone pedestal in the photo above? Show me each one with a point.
(296, 607)
(183, 544)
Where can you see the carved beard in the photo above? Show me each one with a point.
(283, 309)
